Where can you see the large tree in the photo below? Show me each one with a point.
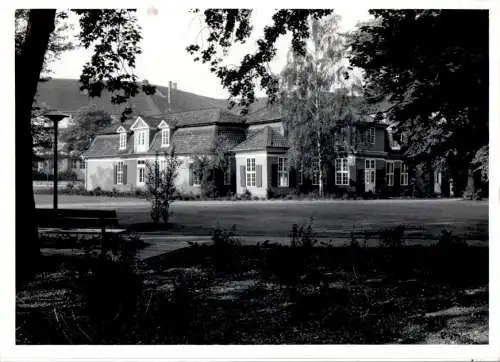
(88, 121)
(114, 36)
(316, 92)
(432, 68)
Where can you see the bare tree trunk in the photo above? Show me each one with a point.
(320, 165)
(27, 73)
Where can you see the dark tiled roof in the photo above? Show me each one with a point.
(263, 139)
(265, 114)
(104, 146)
(203, 117)
(193, 140)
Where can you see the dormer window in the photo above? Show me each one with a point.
(141, 135)
(165, 134)
(123, 138)
(165, 137)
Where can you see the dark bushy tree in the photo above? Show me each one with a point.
(88, 121)
(432, 68)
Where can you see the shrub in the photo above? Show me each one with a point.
(226, 244)
(270, 193)
(448, 240)
(247, 195)
(303, 236)
(110, 285)
(392, 237)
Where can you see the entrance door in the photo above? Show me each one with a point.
(369, 175)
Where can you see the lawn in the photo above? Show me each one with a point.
(265, 294)
(424, 219)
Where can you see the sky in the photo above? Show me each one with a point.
(167, 31)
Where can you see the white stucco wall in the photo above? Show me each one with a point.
(260, 159)
(100, 173)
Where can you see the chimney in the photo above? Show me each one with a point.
(169, 96)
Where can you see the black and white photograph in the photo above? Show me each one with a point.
(252, 176)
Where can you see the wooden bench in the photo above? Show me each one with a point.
(77, 221)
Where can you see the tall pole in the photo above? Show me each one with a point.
(56, 117)
(55, 163)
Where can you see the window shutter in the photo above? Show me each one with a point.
(243, 179)
(124, 177)
(115, 173)
(190, 174)
(258, 175)
(274, 175)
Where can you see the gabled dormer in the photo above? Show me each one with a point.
(164, 134)
(141, 135)
(123, 138)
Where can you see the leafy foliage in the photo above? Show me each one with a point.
(114, 35)
(228, 26)
(436, 86)
(59, 40)
(160, 183)
(316, 92)
(88, 122)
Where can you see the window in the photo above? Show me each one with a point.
(165, 137)
(74, 163)
(282, 172)
(251, 176)
(141, 172)
(119, 173)
(82, 164)
(196, 178)
(404, 174)
(123, 140)
(227, 176)
(369, 136)
(341, 172)
(163, 165)
(390, 173)
(141, 136)
(315, 173)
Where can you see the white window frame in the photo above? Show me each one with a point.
(283, 179)
(370, 135)
(404, 174)
(74, 162)
(196, 178)
(370, 166)
(141, 138)
(342, 171)
(389, 173)
(251, 173)
(123, 140)
(119, 173)
(141, 169)
(82, 164)
(165, 137)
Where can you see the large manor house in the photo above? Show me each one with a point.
(256, 144)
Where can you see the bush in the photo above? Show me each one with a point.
(247, 195)
(448, 240)
(270, 193)
(392, 237)
(110, 285)
(226, 244)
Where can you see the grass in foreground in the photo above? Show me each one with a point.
(267, 294)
